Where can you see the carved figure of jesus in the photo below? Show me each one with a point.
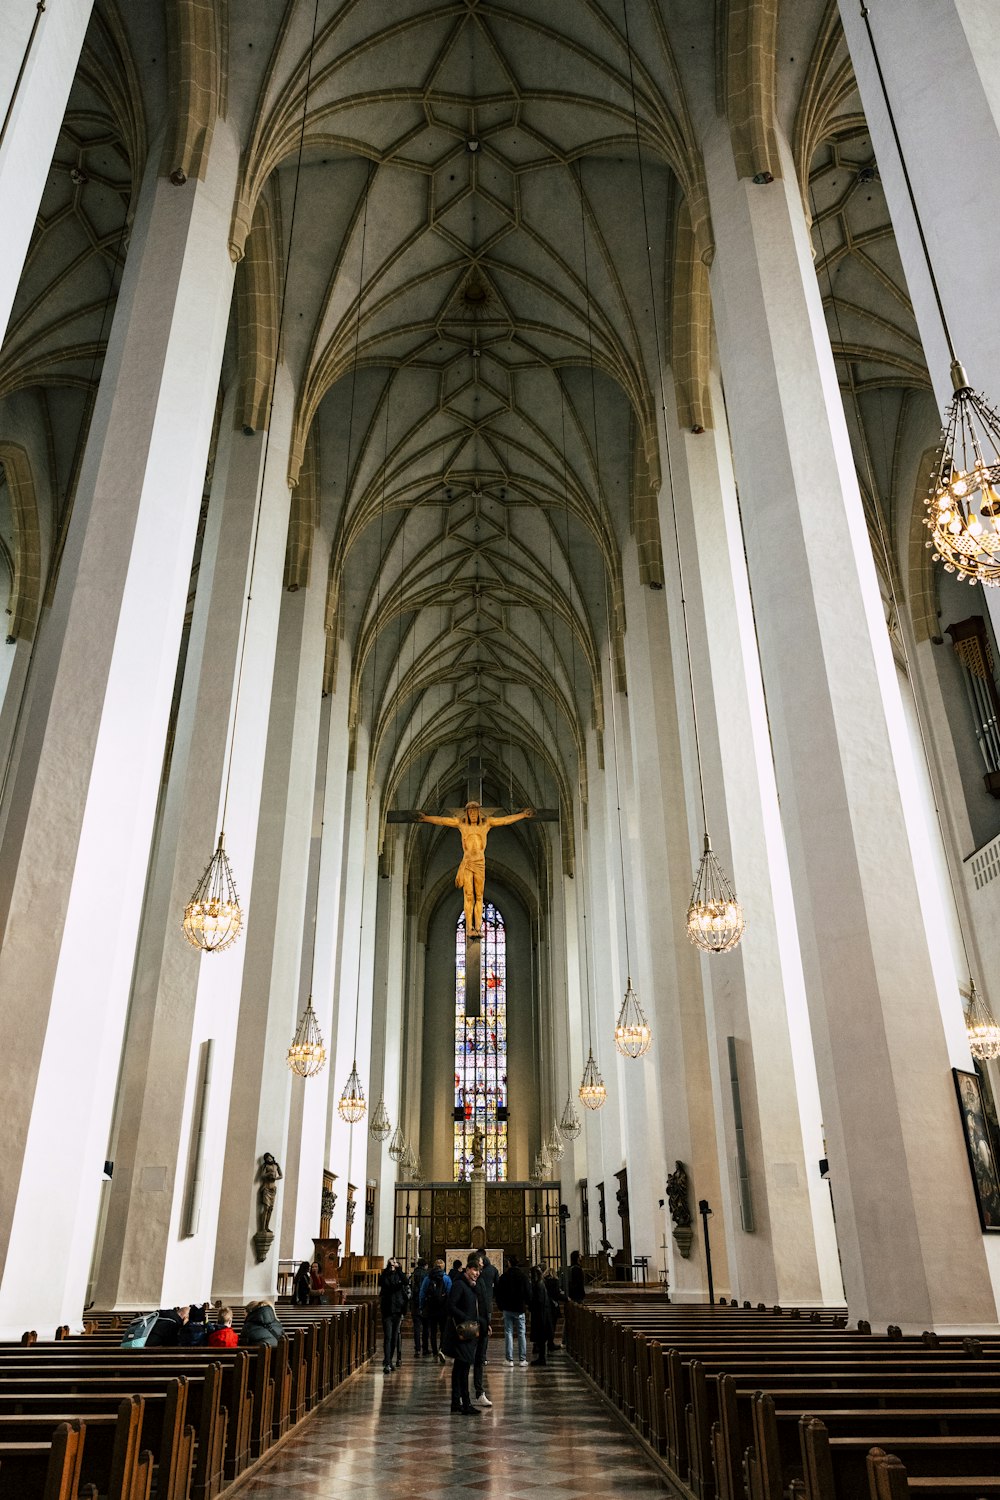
(471, 878)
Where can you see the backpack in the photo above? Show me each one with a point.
(437, 1293)
(138, 1331)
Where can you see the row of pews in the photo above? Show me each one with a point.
(743, 1403)
(83, 1419)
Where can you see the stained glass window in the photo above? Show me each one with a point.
(481, 1053)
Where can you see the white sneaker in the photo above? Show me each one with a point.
(509, 1362)
(482, 1401)
(523, 1363)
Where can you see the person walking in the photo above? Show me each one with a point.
(541, 1316)
(463, 1330)
(575, 1287)
(394, 1293)
(484, 1297)
(420, 1340)
(511, 1297)
(556, 1300)
(302, 1285)
(434, 1294)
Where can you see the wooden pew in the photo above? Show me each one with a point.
(45, 1470)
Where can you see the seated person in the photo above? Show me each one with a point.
(195, 1330)
(166, 1330)
(223, 1334)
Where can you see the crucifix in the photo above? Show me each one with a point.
(473, 823)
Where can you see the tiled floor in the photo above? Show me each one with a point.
(394, 1435)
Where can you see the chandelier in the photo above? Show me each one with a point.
(569, 1121)
(407, 1162)
(982, 1029)
(963, 501)
(554, 1145)
(307, 1055)
(632, 1034)
(715, 919)
(535, 1175)
(380, 1125)
(352, 1105)
(397, 1146)
(213, 918)
(417, 1171)
(593, 1092)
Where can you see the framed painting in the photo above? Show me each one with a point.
(982, 1161)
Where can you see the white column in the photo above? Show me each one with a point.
(875, 954)
(269, 1005)
(346, 1144)
(77, 842)
(156, 1245)
(758, 991)
(36, 116)
(684, 1126)
(311, 1098)
(387, 1036)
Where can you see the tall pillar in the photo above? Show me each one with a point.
(76, 845)
(785, 1249)
(36, 105)
(875, 956)
(387, 1032)
(269, 1003)
(671, 988)
(170, 1128)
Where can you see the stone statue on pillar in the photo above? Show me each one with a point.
(269, 1174)
(680, 1208)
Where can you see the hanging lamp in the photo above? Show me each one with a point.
(570, 1123)
(554, 1145)
(307, 1054)
(981, 1028)
(352, 1105)
(593, 1093)
(963, 501)
(633, 1037)
(380, 1125)
(715, 921)
(397, 1146)
(213, 918)
(536, 1174)
(417, 1171)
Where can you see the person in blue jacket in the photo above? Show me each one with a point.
(435, 1292)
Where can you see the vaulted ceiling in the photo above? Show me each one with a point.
(474, 329)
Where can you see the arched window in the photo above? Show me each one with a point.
(481, 1053)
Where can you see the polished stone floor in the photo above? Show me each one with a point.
(394, 1435)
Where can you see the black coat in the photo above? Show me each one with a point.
(463, 1307)
(166, 1330)
(487, 1285)
(575, 1284)
(393, 1293)
(542, 1322)
(261, 1326)
(512, 1291)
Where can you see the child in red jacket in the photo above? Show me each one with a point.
(223, 1335)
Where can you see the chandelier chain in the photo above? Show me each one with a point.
(270, 419)
(866, 17)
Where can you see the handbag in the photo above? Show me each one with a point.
(467, 1331)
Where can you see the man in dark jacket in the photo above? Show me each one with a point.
(393, 1294)
(434, 1293)
(484, 1297)
(576, 1287)
(556, 1299)
(421, 1344)
(464, 1329)
(511, 1298)
(261, 1326)
(542, 1326)
(165, 1332)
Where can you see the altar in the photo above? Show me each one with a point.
(462, 1253)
